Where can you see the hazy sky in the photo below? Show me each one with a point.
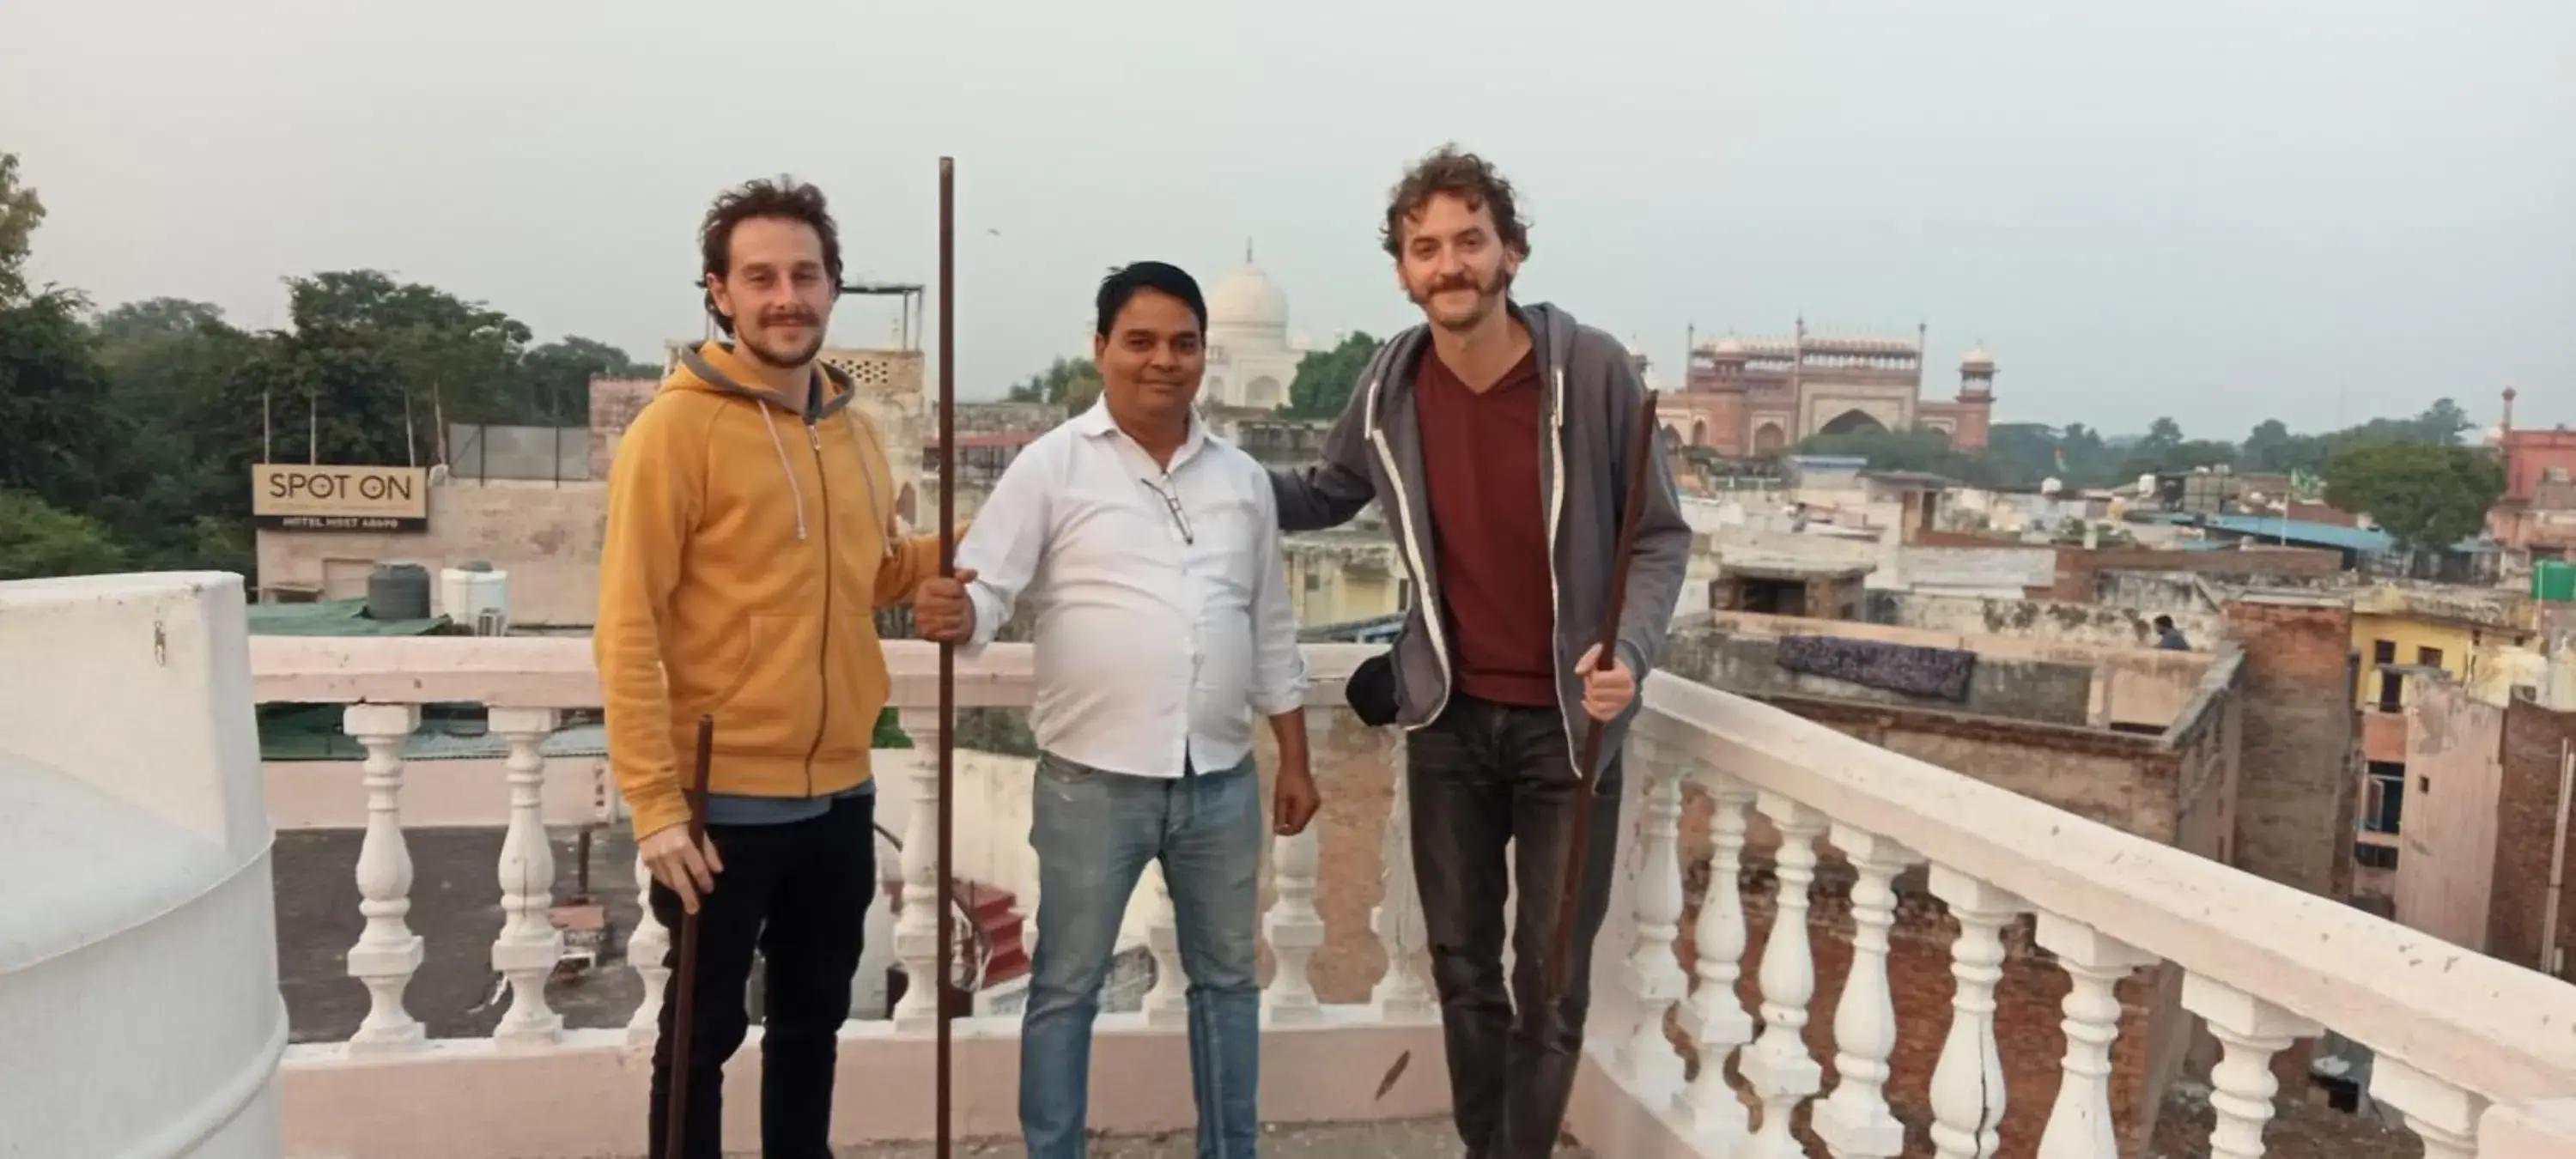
(2321, 210)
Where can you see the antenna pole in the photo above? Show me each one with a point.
(947, 652)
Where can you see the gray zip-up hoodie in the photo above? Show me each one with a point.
(1593, 403)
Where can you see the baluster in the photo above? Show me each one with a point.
(1653, 974)
(646, 949)
(387, 953)
(1167, 1004)
(1401, 994)
(1720, 1024)
(2444, 1116)
(1968, 1082)
(1778, 1066)
(1854, 1120)
(529, 945)
(1295, 931)
(2079, 1123)
(925, 902)
(2242, 1085)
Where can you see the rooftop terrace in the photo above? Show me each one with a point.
(139, 871)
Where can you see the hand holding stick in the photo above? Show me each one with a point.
(1587, 788)
(676, 1111)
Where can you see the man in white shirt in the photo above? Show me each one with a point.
(1149, 549)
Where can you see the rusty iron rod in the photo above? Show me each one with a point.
(675, 1113)
(1587, 787)
(947, 652)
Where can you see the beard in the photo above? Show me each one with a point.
(759, 345)
(1489, 296)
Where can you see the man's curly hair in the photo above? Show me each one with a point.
(1463, 175)
(784, 198)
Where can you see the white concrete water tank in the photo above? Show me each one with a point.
(139, 1009)
(476, 597)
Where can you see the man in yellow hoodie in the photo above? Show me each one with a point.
(751, 536)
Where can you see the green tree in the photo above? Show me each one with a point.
(38, 540)
(1067, 382)
(20, 214)
(2426, 495)
(59, 438)
(559, 374)
(1325, 378)
(182, 498)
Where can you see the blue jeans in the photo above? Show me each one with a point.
(1094, 832)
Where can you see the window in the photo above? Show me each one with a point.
(2392, 687)
(2375, 856)
(2385, 801)
(2429, 657)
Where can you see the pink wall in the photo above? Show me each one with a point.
(2447, 835)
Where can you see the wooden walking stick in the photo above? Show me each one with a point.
(1587, 788)
(675, 1113)
(947, 652)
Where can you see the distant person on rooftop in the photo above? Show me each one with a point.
(1496, 436)
(2169, 637)
(1148, 548)
(751, 531)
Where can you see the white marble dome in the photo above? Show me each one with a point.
(1247, 299)
(1978, 359)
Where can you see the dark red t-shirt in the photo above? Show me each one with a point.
(1489, 529)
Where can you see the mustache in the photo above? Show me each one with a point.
(789, 318)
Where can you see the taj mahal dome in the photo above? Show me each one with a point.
(1251, 357)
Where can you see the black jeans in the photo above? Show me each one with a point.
(1482, 777)
(799, 892)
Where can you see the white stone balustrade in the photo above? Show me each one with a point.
(387, 953)
(1717, 1018)
(916, 930)
(1968, 1094)
(1296, 931)
(2264, 964)
(1402, 994)
(2472, 1053)
(2079, 1122)
(2241, 1085)
(1854, 1120)
(1653, 975)
(1783, 1074)
(529, 945)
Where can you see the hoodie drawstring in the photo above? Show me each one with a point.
(793, 488)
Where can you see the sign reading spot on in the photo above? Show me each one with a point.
(298, 497)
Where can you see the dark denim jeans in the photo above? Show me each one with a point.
(799, 892)
(1482, 778)
(1094, 832)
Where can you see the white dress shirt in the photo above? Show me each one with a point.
(1161, 599)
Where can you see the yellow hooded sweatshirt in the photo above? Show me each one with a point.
(751, 537)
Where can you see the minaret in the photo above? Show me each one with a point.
(2506, 423)
(1977, 376)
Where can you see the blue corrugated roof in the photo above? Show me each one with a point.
(2301, 531)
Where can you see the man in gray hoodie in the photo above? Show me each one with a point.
(1497, 435)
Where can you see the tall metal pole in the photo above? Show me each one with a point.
(1587, 786)
(947, 652)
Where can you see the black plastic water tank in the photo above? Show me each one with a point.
(398, 591)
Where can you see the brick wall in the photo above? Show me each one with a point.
(2296, 783)
(2526, 836)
